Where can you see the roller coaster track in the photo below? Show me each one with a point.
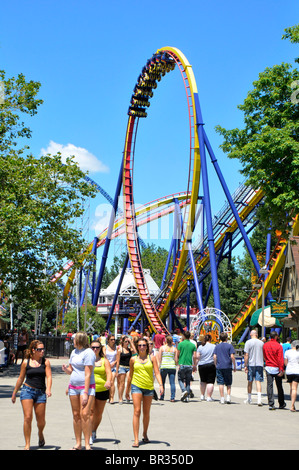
(275, 265)
(247, 200)
(228, 223)
(162, 62)
(145, 214)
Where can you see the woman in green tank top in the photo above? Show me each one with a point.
(141, 381)
(103, 380)
(168, 359)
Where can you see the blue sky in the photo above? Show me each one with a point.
(88, 55)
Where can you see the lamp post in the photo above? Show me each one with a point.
(262, 272)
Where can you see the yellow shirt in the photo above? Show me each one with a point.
(143, 376)
(100, 377)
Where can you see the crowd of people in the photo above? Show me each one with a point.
(99, 367)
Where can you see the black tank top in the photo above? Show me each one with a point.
(125, 358)
(36, 376)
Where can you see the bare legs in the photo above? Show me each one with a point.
(138, 401)
(221, 391)
(81, 420)
(112, 389)
(293, 390)
(40, 414)
(206, 387)
(121, 380)
(97, 413)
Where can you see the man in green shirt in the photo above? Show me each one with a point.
(187, 364)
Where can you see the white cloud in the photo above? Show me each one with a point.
(86, 160)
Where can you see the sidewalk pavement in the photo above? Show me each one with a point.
(178, 426)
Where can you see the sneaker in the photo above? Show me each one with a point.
(281, 407)
(184, 395)
(259, 403)
(92, 437)
(210, 399)
(247, 402)
(228, 400)
(202, 397)
(191, 394)
(272, 408)
(222, 402)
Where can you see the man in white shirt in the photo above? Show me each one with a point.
(254, 363)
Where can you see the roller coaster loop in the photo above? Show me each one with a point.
(191, 261)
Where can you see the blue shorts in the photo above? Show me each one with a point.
(123, 370)
(143, 391)
(35, 394)
(73, 391)
(255, 373)
(224, 376)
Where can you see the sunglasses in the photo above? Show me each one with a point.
(40, 349)
(141, 345)
(95, 347)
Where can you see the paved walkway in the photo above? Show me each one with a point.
(174, 426)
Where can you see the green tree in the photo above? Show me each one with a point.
(154, 258)
(70, 319)
(292, 34)
(268, 146)
(40, 200)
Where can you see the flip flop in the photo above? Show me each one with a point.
(41, 442)
(145, 440)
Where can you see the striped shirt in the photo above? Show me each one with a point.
(168, 361)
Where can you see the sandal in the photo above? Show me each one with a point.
(41, 442)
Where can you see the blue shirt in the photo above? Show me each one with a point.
(223, 352)
(176, 339)
(285, 347)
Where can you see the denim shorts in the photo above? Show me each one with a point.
(80, 390)
(123, 370)
(255, 373)
(143, 391)
(35, 394)
(224, 376)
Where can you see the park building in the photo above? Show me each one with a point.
(127, 306)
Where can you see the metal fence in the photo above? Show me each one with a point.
(56, 346)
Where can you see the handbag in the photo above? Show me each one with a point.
(155, 395)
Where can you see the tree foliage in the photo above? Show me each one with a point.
(268, 145)
(40, 199)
